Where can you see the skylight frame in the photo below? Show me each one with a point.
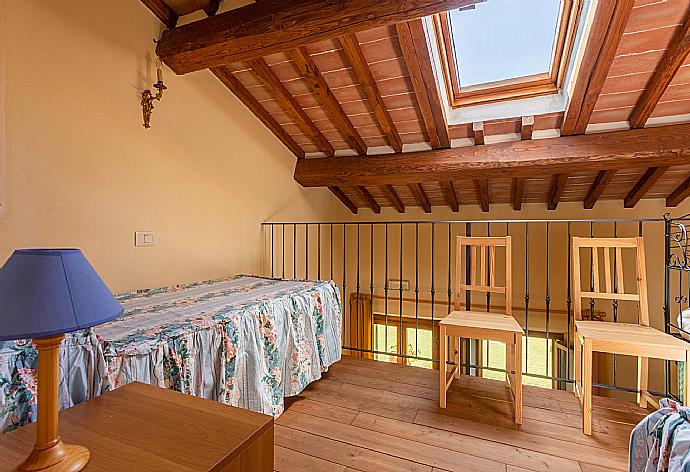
(514, 88)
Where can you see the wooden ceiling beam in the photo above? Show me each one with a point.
(415, 59)
(162, 11)
(681, 192)
(478, 132)
(420, 196)
(517, 192)
(319, 87)
(674, 57)
(610, 20)
(604, 178)
(359, 64)
(450, 195)
(367, 197)
(657, 146)
(344, 199)
(643, 185)
(270, 26)
(393, 198)
(558, 183)
(225, 75)
(481, 186)
(527, 127)
(274, 86)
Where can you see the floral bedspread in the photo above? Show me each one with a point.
(245, 341)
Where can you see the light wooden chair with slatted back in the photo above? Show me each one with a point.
(629, 339)
(486, 326)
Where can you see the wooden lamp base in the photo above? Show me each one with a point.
(59, 458)
(50, 454)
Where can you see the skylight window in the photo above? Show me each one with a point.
(504, 39)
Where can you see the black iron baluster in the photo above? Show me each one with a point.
(591, 272)
(568, 303)
(416, 288)
(294, 251)
(330, 264)
(468, 297)
(451, 307)
(547, 298)
(371, 287)
(306, 251)
(272, 242)
(526, 350)
(345, 301)
(385, 296)
(401, 349)
(282, 235)
(614, 303)
(667, 294)
(488, 295)
(357, 293)
(318, 248)
(433, 288)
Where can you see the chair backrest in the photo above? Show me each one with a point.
(480, 268)
(614, 280)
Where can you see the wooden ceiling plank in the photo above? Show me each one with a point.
(359, 64)
(481, 186)
(681, 192)
(604, 178)
(271, 82)
(517, 192)
(225, 75)
(367, 197)
(270, 26)
(527, 127)
(606, 31)
(420, 196)
(421, 46)
(673, 59)
(656, 146)
(415, 71)
(558, 183)
(478, 132)
(343, 199)
(162, 11)
(393, 198)
(319, 87)
(643, 185)
(450, 195)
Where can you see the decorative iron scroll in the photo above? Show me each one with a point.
(679, 245)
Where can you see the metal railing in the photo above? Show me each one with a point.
(396, 279)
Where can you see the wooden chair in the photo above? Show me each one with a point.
(630, 339)
(486, 326)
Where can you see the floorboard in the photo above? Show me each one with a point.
(374, 416)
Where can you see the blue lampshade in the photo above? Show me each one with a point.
(44, 292)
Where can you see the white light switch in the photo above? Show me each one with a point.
(144, 238)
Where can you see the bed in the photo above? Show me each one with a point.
(246, 341)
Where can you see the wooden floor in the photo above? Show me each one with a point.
(373, 416)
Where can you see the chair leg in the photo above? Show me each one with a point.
(442, 367)
(510, 357)
(587, 387)
(642, 380)
(517, 359)
(458, 357)
(577, 364)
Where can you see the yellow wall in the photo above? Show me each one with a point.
(82, 171)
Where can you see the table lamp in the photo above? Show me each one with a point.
(45, 293)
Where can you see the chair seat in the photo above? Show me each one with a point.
(632, 339)
(481, 320)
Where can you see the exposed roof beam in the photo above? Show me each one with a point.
(604, 177)
(450, 195)
(478, 132)
(678, 49)
(226, 76)
(517, 191)
(610, 20)
(267, 27)
(420, 196)
(274, 86)
(318, 86)
(344, 199)
(643, 185)
(164, 13)
(366, 196)
(365, 78)
(657, 146)
(527, 127)
(558, 183)
(416, 55)
(679, 194)
(393, 198)
(481, 186)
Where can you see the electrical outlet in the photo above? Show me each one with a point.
(144, 238)
(395, 284)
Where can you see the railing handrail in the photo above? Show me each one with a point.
(393, 222)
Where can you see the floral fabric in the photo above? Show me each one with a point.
(245, 341)
(661, 442)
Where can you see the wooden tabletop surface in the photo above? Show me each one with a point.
(141, 427)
